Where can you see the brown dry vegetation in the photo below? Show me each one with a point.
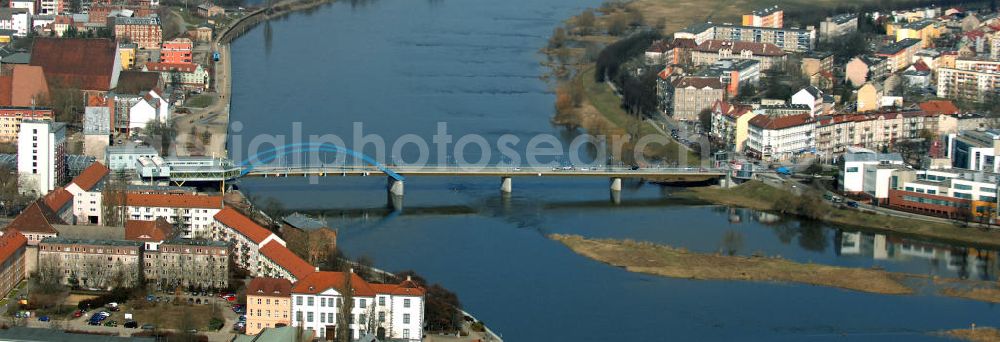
(988, 293)
(983, 334)
(650, 258)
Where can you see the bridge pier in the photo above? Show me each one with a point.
(394, 202)
(506, 185)
(395, 187)
(616, 184)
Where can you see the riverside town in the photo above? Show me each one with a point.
(481, 171)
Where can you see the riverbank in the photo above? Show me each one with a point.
(982, 334)
(760, 196)
(650, 258)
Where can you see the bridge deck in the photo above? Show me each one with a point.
(491, 172)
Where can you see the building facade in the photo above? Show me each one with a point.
(189, 76)
(192, 214)
(143, 31)
(11, 118)
(838, 26)
(711, 51)
(93, 264)
(177, 50)
(692, 95)
(13, 248)
(772, 17)
(780, 138)
(269, 304)
(190, 264)
(41, 157)
(970, 80)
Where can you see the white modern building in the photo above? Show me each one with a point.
(389, 311)
(41, 156)
(124, 157)
(812, 97)
(855, 168)
(975, 150)
(16, 19)
(28, 5)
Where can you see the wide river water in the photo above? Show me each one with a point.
(402, 66)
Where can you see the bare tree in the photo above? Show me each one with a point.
(345, 314)
(113, 200)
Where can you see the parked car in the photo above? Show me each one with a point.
(148, 326)
(150, 298)
(78, 314)
(111, 324)
(43, 318)
(852, 204)
(131, 324)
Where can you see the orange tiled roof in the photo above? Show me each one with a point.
(179, 67)
(28, 83)
(271, 287)
(35, 219)
(758, 49)
(284, 257)
(158, 230)
(91, 175)
(406, 288)
(235, 220)
(939, 107)
(57, 199)
(173, 201)
(321, 281)
(10, 242)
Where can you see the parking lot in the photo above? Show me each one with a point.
(156, 311)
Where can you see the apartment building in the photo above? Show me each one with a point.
(971, 79)
(35, 223)
(190, 264)
(788, 39)
(87, 190)
(771, 17)
(245, 237)
(269, 304)
(143, 31)
(277, 261)
(710, 52)
(691, 95)
(816, 62)
(177, 50)
(389, 311)
(780, 138)
(899, 54)
(730, 124)
(192, 214)
(862, 69)
(924, 30)
(733, 73)
(11, 118)
(96, 264)
(838, 26)
(41, 156)
(150, 233)
(13, 247)
(852, 175)
(874, 131)
(189, 76)
(17, 20)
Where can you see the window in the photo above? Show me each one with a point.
(258, 301)
(406, 333)
(322, 302)
(363, 303)
(381, 301)
(988, 198)
(381, 316)
(852, 169)
(311, 302)
(309, 317)
(322, 318)
(963, 187)
(406, 303)
(406, 318)
(362, 318)
(298, 316)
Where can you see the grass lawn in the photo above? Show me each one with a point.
(200, 101)
(608, 104)
(171, 316)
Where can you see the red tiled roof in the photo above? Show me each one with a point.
(781, 122)
(76, 62)
(158, 230)
(406, 288)
(939, 107)
(270, 287)
(685, 43)
(10, 242)
(28, 83)
(57, 199)
(6, 93)
(91, 175)
(659, 46)
(321, 281)
(137, 82)
(173, 201)
(35, 219)
(921, 66)
(235, 220)
(730, 109)
(284, 257)
(180, 67)
(758, 49)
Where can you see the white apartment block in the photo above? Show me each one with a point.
(779, 138)
(853, 174)
(388, 311)
(192, 213)
(51, 7)
(16, 19)
(41, 156)
(970, 79)
(87, 194)
(246, 238)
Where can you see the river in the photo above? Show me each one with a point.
(400, 67)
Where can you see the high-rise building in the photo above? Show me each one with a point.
(41, 155)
